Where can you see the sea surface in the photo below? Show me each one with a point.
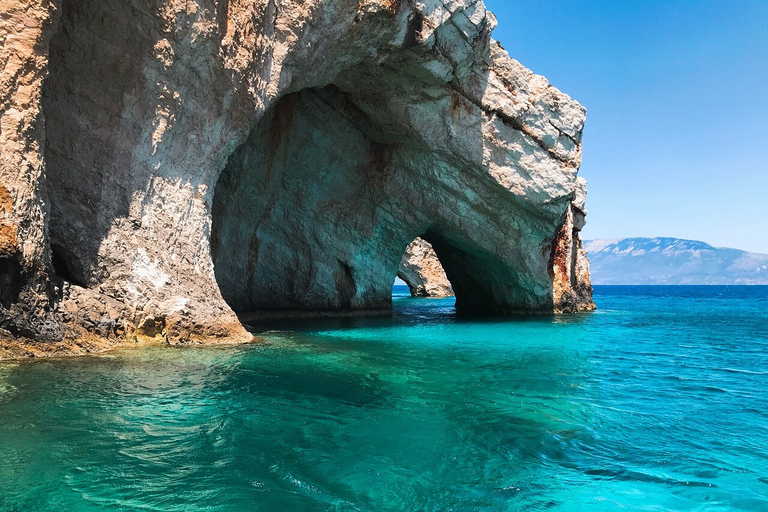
(658, 401)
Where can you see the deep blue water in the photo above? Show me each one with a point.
(657, 401)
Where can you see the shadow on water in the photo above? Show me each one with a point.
(408, 311)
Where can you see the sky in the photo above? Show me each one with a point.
(676, 139)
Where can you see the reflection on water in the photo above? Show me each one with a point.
(655, 402)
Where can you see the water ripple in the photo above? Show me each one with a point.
(656, 402)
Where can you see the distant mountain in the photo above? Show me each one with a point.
(672, 261)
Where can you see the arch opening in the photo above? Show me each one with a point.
(311, 214)
(482, 282)
(306, 215)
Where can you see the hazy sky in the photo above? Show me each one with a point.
(676, 140)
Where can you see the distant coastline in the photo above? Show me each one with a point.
(672, 261)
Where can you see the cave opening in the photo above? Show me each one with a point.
(65, 265)
(10, 280)
(313, 211)
(476, 278)
(305, 216)
(311, 214)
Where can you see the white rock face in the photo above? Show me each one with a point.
(186, 159)
(422, 271)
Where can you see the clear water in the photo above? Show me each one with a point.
(658, 401)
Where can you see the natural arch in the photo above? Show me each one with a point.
(314, 210)
(298, 146)
(304, 214)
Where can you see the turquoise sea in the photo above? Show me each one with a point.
(657, 401)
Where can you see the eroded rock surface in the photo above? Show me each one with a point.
(422, 271)
(27, 295)
(166, 164)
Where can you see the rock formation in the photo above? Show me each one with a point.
(167, 164)
(422, 271)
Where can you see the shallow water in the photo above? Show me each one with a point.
(658, 401)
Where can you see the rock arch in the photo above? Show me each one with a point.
(200, 157)
(312, 212)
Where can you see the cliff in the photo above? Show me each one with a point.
(168, 164)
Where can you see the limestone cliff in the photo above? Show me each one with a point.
(422, 271)
(166, 164)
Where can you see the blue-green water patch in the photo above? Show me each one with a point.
(657, 401)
